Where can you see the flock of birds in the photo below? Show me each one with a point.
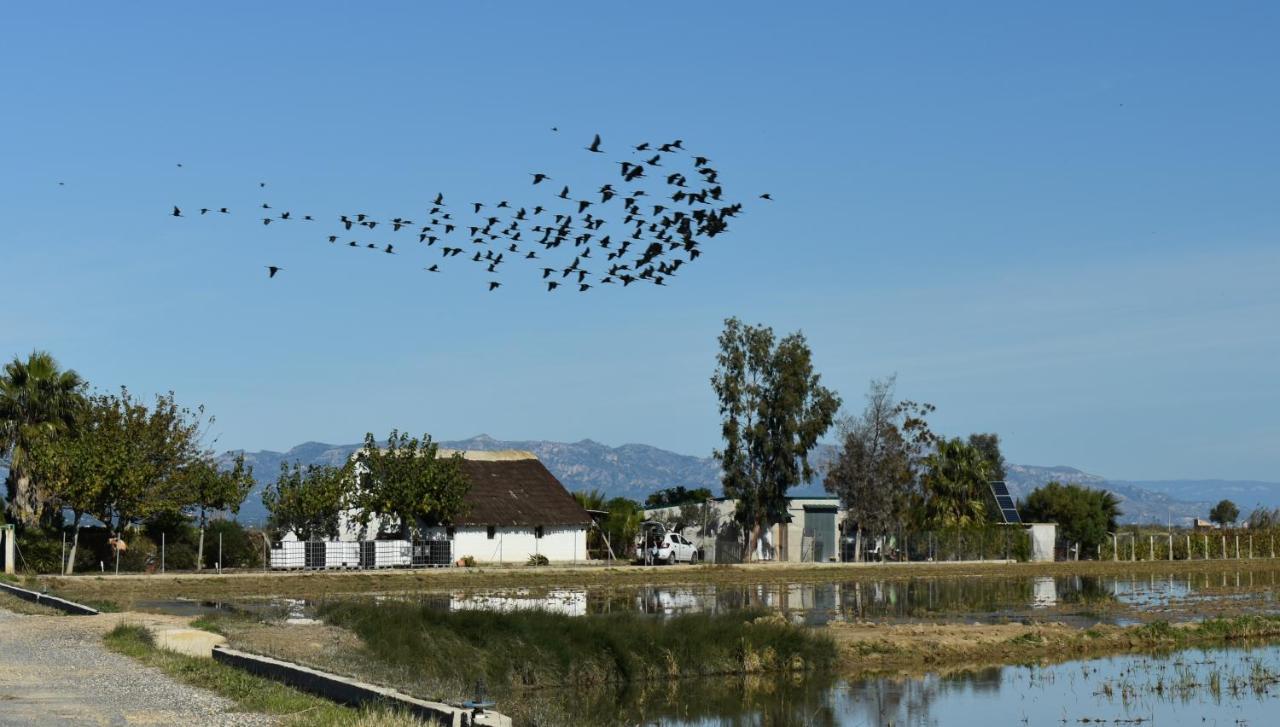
(654, 219)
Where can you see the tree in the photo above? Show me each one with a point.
(678, 495)
(122, 462)
(622, 524)
(142, 453)
(406, 483)
(1263, 518)
(773, 410)
(953, 486)
(68, 466)
(307, 502)
(1083, 515)
(1224, 513)
(37, 398)
(872, 472)
(989, 446)
(208, 488)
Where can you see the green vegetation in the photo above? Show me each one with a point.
(218, 490)
(525, 649)
(678, 495)
(899, 480)
(38, 400)
(1084, 515)
(773, 408)
(306, 501)
(953, 486)
(250, 693)
(405, 484)
(1224, 513)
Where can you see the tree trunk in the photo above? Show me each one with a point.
(753, 540)
(25, 505)
(200, 550)
(857, 545)
(70, 567)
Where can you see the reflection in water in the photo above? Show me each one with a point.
(1221, 686)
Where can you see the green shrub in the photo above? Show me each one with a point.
(240, 548)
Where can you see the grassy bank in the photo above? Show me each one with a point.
(541, 649)
(248, 692)
(129, 589)
(550, 669)
(870, 648)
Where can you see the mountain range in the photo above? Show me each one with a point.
(635, 470)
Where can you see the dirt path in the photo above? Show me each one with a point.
(55, 670)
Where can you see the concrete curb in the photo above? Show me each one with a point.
(44, 599)
(352, 692)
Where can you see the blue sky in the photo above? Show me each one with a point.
(1058, 223)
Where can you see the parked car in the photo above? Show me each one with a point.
(656, 544)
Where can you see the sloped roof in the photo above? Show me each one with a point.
(514, 488)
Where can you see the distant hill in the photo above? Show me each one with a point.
(635, 470)
(1247, 494)
(1137, 504)
(629, 470)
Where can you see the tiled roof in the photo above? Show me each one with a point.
(516, 491)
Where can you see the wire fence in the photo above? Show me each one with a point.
(1206, 544)
(364, 554)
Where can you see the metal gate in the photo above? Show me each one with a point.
(821, 521)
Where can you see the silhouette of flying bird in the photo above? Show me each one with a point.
(595, 146)
(272, 270)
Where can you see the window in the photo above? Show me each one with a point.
(537, 532)
(450, 532)
(492, 531)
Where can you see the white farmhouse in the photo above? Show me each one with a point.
(515, 508)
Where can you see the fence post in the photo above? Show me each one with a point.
(219, 553)
(7, 534)
(1170, 545)
(62, 562)
(1188, 547)
(1237, 546)
(117, 557)
(1206, 546)
(1224, 547)
(1250, 546)
(162, 552)
(1151, 547)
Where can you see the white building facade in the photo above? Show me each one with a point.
(514, 509)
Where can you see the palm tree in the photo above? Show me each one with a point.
(37, 398)
(953, 482)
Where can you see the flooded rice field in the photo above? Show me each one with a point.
(1215, 687)
(1083, 600)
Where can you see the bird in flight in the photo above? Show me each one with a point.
(665, 236)
(767, 196)
(272, 270)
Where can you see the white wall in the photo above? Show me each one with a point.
(1043, 538)
(514, 545)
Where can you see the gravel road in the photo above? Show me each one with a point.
(54, 670)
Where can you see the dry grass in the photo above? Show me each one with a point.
(915, 648)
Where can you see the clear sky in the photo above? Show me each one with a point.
(1054, 221)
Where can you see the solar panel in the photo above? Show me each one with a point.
(1004, 501)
